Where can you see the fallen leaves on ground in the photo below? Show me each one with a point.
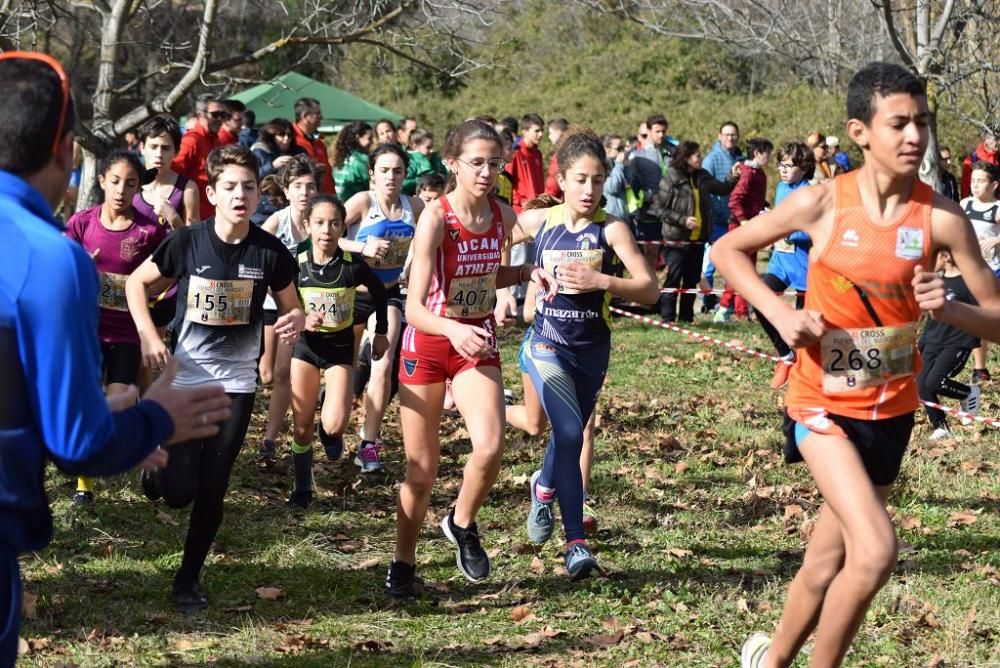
(270, 593)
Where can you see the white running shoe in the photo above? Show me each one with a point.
(754, 650)
(940, 433)
(970, 404)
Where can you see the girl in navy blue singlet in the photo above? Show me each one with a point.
(567, 358)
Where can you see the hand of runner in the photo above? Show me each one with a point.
(580, 277)
(154, 352)
(288, 326)
(505, 312)
(988, 246)
(376, 249)
(546, 282)
(195, 411)
(155, 460)
(800, 329)
(929, 290)
(166, 212)
(314, 321)
(380, 345)
(469, 341)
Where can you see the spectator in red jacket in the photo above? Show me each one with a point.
(197, 143)
(307, 118)
(526, 167)
(557, 127)
(987, 151)
(748, 199)
(229, 133)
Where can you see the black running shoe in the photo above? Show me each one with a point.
(267, 449)
(82, 499)
(150, 485)
(189, 597)
(300, 499)
(333, 446)
(470, 557)
(402, 583)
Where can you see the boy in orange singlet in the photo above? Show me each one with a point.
(852, 392)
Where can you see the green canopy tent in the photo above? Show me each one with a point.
(276, 99)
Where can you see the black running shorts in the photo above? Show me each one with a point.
(881, 443)
(121, 362)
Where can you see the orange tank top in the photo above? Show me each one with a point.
(864, 368)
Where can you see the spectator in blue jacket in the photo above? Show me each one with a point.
(51, 403)
(614, 185)
(719, 163)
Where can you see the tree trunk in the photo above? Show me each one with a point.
(88, 178)
(930, 168)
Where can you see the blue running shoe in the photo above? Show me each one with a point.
(580, 561)
(540, 520)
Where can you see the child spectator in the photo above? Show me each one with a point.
(945, 350)
(748, 199)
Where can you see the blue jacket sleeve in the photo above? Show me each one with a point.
(615, 185)
(708, 164)
(58, 337)
(799, 237)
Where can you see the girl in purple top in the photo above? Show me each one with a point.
(119, 238)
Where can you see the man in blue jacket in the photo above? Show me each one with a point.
(719, 163)
(51, 403)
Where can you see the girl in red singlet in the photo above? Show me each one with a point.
(454, 274)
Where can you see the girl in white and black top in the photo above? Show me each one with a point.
(983, 210)
(298, 184)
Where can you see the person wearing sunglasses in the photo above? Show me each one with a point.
(52, 406)
(197, 143)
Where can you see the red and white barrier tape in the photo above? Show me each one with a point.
(993, 422)
(696, 335)
(671, 243)
(787, 293)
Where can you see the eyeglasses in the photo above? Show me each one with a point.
(786, 165)
(496, 164)
(63, 84)
(220, 114)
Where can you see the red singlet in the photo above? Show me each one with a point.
(463, 287)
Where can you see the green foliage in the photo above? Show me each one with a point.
(610, 74)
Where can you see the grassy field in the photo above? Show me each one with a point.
(702, 526)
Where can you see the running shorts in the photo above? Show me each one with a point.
(270, 317)
(427, 359)
(881, 443)
(324, 351)
(121, 362)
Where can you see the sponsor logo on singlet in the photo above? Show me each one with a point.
(255, 273)
(850, 239)
(909, 243)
